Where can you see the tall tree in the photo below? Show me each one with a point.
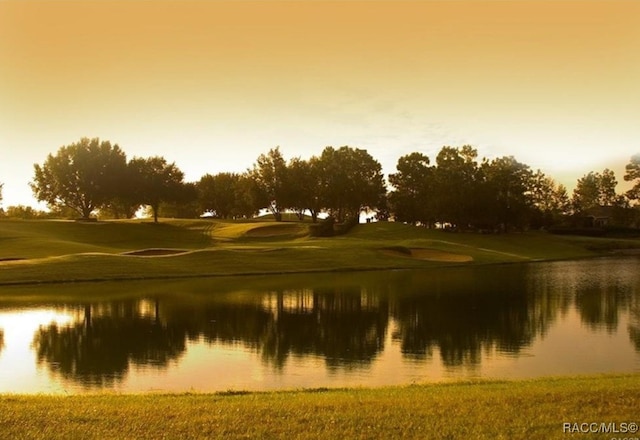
(269, 174)
(303, 187)
(124, 202)
(632, 174)
(595, 189)
(411, 199)
(455, 180)
(550, 200)
(184, 204)
(157, 182)
(218, 194)
(351, 181)
(507, 183)
(247, 203)
(82, 176)
(607, 186)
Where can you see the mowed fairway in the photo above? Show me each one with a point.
(43, 251)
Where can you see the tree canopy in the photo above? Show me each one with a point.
(412, 197)
(456, 190)
(595, 189)
(220, 194)
(157, 181)
(351, 180)
(81, 176)
(632, 174)
(269, 175)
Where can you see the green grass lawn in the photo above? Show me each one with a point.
(56, 251)
(34, 252)
(531, 409)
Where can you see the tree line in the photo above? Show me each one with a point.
(456, 190)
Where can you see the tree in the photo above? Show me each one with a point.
(351, 181)
(507, 188)
(411, 199)
(123, 203)
(1, 185)
(218, 194)
(633, 174)
(156, 181)
(82, 176)
(455, 185)
(595, 189)
(23, 212)
(247, 204)
(550, 200)
(184, 204)
(269, 174)
(303, 187)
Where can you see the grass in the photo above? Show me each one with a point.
(531, 409)
(62, 251)
(33, 252)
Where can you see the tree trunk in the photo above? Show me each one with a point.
(155, 208)
(86, 212)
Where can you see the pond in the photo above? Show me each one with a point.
(323, 330)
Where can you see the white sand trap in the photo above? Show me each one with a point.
(157, 252)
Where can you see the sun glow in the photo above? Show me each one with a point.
(18, 371)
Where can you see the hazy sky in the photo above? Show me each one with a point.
(212, 85)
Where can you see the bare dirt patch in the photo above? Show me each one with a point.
(429, 255)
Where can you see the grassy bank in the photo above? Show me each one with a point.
(62, 251)
(535, 409)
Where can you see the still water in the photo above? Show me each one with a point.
(328, 330)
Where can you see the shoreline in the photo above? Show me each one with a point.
(432, 266)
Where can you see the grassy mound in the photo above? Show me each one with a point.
(237, 231)
(57, 251)
(45, 238)
(278, 230)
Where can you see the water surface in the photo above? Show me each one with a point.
(328, 330)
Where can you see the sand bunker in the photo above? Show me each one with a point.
(273, 230)
(155, 252)
(429, 255)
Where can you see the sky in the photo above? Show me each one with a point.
(211, 85)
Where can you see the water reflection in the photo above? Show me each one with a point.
(459, 318)
(634, 323)
(99, 349)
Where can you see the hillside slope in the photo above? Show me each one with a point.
(59, 251)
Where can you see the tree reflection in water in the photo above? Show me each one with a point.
(339, 325)
(466, 314)
(99, 350)
(461, 313)
(634, 323)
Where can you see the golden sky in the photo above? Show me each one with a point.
(211, 85)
